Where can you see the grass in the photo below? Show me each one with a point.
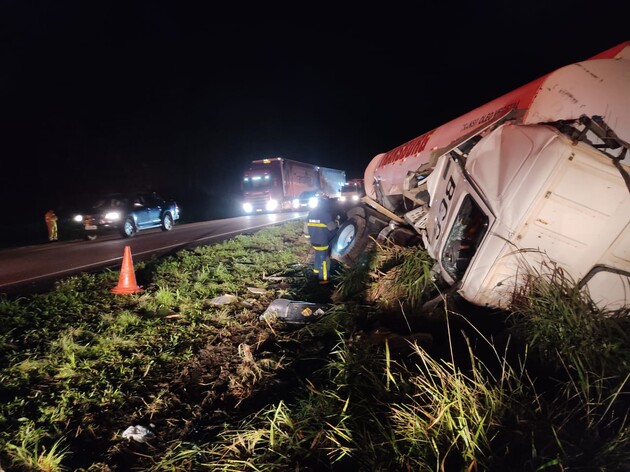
(30, 453)
(372, 385)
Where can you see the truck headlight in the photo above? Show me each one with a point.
(355, 198)
(271, 205)
(296, 203)
(312, 202)
(247, 207)
(342, 198)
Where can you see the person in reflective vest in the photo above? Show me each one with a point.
(322, 224)
(51, 222)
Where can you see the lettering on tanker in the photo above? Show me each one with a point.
(411, 148)
(493, 115)
(418, 144)
(568, 95)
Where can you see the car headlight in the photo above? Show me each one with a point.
(355, 198)
(78, 218)
(112, 215)
(312, 202)
(247, 207)
(271, 205)
(296, 203)
(342, 198)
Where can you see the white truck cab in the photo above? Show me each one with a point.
(528, 200)
(533, 182)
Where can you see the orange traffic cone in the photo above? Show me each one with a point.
(127, 280)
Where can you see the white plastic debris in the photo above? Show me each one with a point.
(224, 300)
(293, 312)
(256, 290)
(138, 433)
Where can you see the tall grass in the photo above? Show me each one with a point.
(560, 320)
(403, 275)
(32, 451)
(390, 276)
(586, 354)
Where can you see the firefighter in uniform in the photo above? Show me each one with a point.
(51, 223)
(322, 224)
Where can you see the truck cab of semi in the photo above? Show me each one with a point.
(262, 187)
(535, 182)
(352, 191)
(528, 200)
(274, 184)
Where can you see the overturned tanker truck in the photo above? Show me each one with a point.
(534, 181)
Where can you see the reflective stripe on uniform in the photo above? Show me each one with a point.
(320, 248)
(317, 225)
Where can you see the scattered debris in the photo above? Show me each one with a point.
(224, 300)
(294, 312)
(138, 433)
(256, 290)
(274, 278)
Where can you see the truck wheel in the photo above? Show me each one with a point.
(128, 229)
(351, 241)
(167, 222)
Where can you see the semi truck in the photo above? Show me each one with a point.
(531, 184)
(352, 191)
(273, 184)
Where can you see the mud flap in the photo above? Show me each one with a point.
(293, 312)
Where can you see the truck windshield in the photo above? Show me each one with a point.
(464, 238)
(257, 182)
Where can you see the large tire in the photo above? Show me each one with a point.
(399, 236)
(167, 222)
(128, 228)
(352, 240)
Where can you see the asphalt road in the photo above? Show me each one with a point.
(29, 268)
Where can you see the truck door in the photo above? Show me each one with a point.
(458, 220)
(153, 209)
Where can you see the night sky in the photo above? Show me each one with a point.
(179, 96)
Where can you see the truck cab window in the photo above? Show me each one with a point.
(464, 238)
(257, 182)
